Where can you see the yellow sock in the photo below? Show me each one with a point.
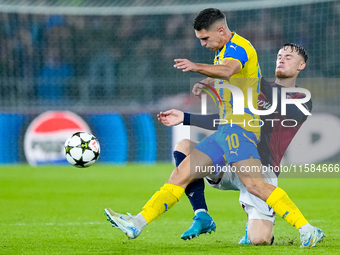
(162, 201)
(285, 208)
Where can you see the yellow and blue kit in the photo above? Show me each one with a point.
(239, 137)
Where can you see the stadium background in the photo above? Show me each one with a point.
(112, 62)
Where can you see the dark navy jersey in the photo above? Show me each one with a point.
(275, 137)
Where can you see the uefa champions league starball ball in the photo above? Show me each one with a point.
(82, 149)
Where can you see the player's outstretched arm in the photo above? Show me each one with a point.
(175, 117)
(222, 71)
(202, 121)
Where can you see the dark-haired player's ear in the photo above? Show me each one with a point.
(302, 66)
(220, 30)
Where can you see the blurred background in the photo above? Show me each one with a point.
(109, 64)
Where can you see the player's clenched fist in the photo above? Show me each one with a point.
(186, 65)
(197, 89)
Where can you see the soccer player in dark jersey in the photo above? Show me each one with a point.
(275, 139)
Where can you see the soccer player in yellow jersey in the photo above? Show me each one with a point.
(235, 64)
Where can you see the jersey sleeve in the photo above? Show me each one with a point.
(236, 52)
(202, 121)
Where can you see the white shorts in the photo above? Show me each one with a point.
(256, 208)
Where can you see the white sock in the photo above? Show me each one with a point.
(139, 221)
(200, 210)
(305, 228)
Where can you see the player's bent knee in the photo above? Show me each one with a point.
(260, 232)
(184, 146)
(261, 240)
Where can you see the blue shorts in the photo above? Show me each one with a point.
(229, 145)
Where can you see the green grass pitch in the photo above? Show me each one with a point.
(60, 210)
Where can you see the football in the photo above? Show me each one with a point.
(82, 149)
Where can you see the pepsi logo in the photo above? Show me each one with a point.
(46, 135)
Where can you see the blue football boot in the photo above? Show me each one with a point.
(203, 223)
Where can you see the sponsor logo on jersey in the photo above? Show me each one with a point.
(46, 135)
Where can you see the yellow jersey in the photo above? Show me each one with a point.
(240, 49)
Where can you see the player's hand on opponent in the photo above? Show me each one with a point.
(197, 89)
(171, 117)
(186, 65)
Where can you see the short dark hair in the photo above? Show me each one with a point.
(299, 49)
(206, 18)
